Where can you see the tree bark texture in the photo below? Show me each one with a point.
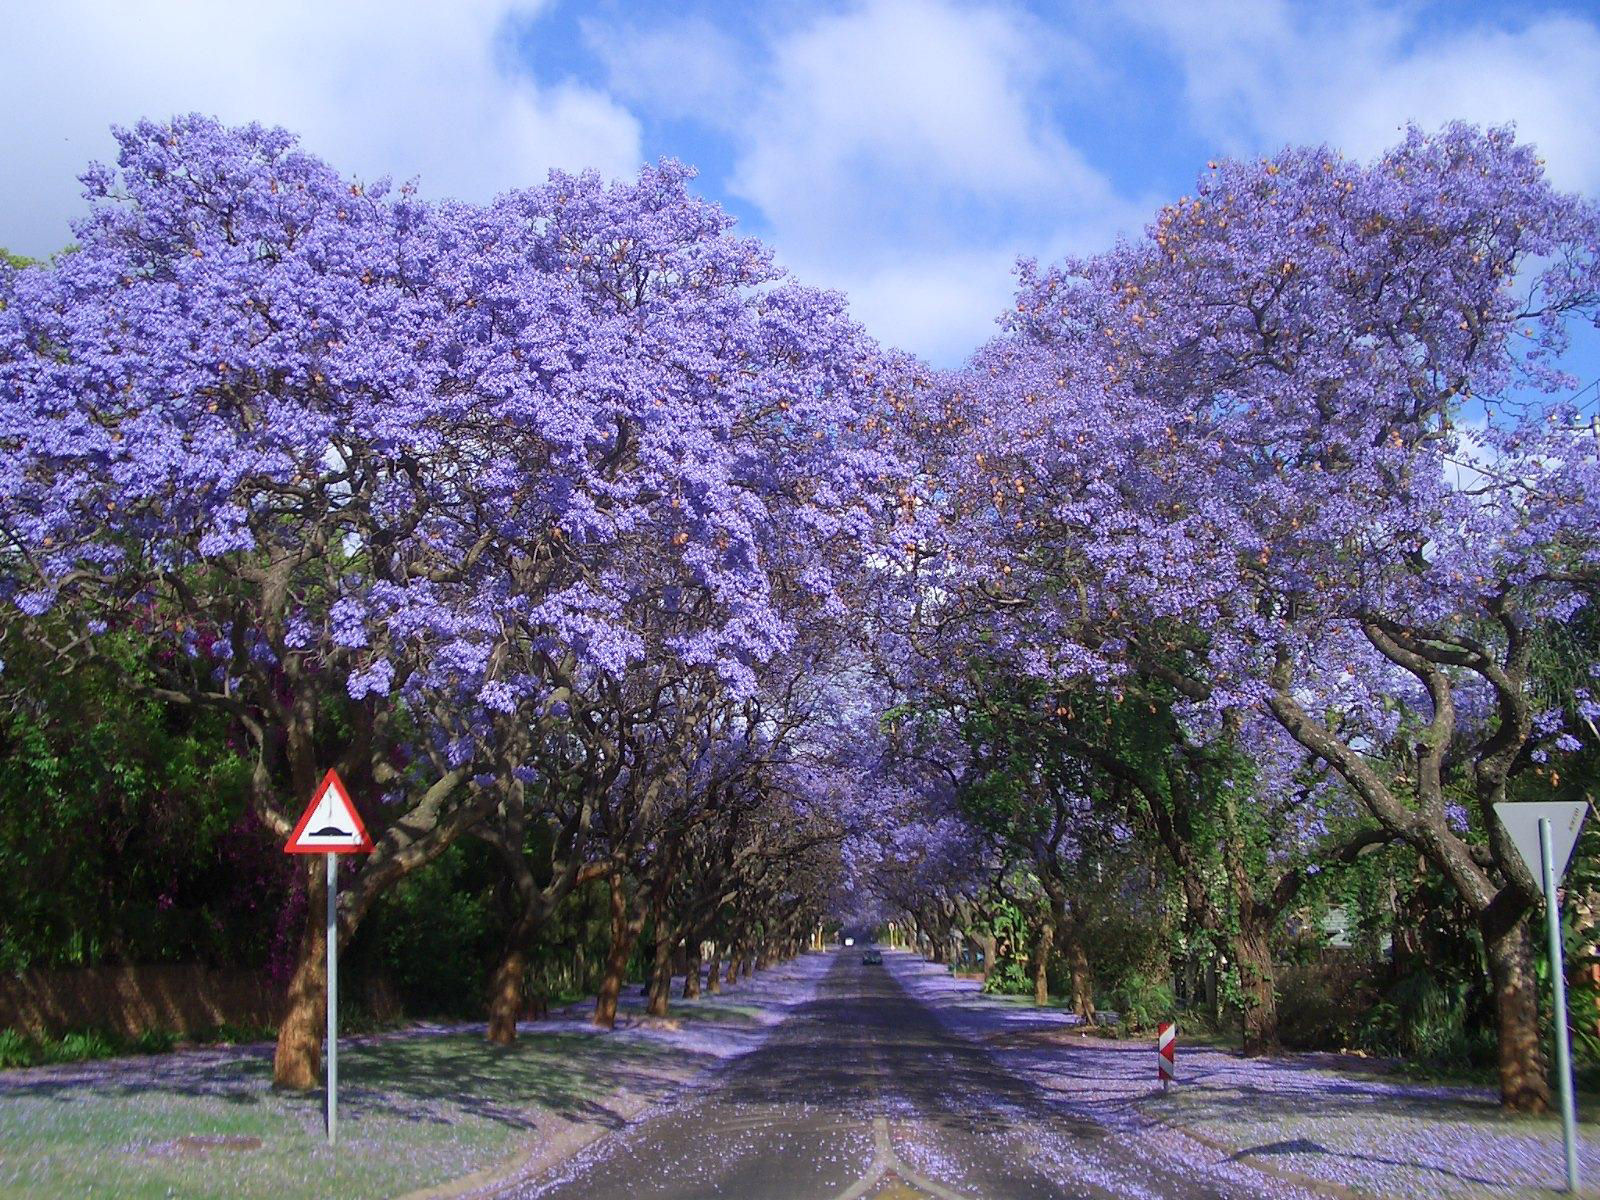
(1043, 946)
(625, 929)
(297, 1062)
(1524, 1085)
(1082, 979)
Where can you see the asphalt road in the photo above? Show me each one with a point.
(863, 1093)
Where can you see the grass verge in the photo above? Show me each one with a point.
(413, 1112)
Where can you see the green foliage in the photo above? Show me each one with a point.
(1008, 979)
(1008, 925)
(356, 1019)
(229, 1034)
(16, 1050)
(440, 932)
(1427, 1021)
(154, 1041)
(436, 933)
(1578, 936)
(79, 1047)
(115, 812)
(571, 951)
(1126, 950)
(1141, 1002)
(1326, 1005)
(19, 1050)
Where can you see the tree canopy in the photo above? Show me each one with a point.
(571, 525)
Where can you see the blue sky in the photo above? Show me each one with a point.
(905, 151)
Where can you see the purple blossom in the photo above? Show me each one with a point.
(498, 697)
(375, 680)
(36, 603)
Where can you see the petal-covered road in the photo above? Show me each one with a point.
(864, 1092)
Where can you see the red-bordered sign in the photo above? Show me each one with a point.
(330, 824)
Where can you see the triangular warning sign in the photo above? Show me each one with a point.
(1522, 823)
(330, 824)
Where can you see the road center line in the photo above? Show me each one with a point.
(884, 1158)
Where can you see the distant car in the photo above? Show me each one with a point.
(872, 958)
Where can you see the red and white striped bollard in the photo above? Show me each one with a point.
(1167, 1052)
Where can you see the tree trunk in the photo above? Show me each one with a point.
(986, 947)
(1043, 945)
(661, 972)
(1524, 1087)
(691, 976)
(714, 973)
(297, 1063)
(1253, 952)
(624, 932)
(1251, 945)
(506, 990)
(505, 995)
(1082, 979)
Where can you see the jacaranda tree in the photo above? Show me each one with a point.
(406, 481)
(1287, 452)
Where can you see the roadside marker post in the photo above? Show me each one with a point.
(331, 826)
(1167, 1052)
(1544, 835)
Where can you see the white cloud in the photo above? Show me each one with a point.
(944, 303)
(904, 114)
(940, 305)
(690, 69)
(377, 88)
(1265, 71)
(899, 150)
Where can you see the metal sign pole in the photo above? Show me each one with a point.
(1558, 984)
(331, 826)
(333, 997)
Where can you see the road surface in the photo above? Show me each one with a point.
(862, 1092)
